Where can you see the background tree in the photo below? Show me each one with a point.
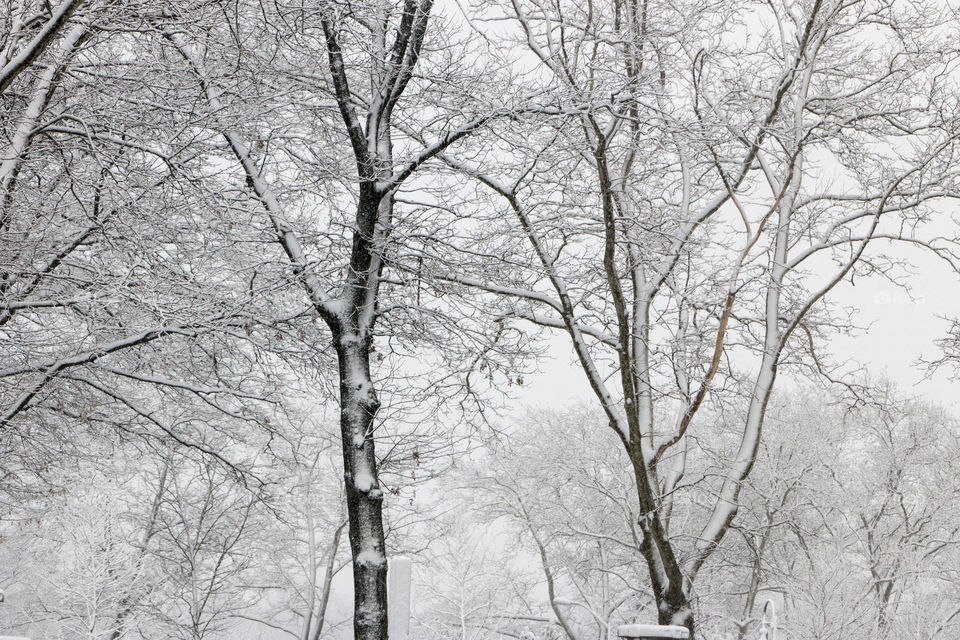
(673, 187)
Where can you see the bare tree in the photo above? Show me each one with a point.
(677, 229)
(206, 520)
(376, 46)
(572, 506)
(121, 310)
(195, 232)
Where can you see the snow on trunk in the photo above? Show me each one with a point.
(358, 407)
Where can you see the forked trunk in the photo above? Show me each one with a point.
(673, 603)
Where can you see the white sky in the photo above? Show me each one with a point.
(899, 332)
(902, 330)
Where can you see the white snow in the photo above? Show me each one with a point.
(652, 631)
(371, 557)
(364, 481)
(679, 616)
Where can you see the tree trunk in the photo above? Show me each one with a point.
(673, 603)
(358, 408)
(327, 582)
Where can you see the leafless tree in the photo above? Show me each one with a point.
(678, 228)
(376, 46)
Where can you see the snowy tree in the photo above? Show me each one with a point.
(843, 522)
(123, 310)
(678, 227)
(372, 52)
(218, 221)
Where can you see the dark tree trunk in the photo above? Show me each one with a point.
(358, 408)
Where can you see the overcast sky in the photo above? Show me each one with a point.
(900, 332)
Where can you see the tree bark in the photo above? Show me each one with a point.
(358, 408)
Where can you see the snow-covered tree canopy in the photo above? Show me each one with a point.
(550, 297)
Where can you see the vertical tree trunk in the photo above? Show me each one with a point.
(358, 408)
(327, 583)
(351, 316)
